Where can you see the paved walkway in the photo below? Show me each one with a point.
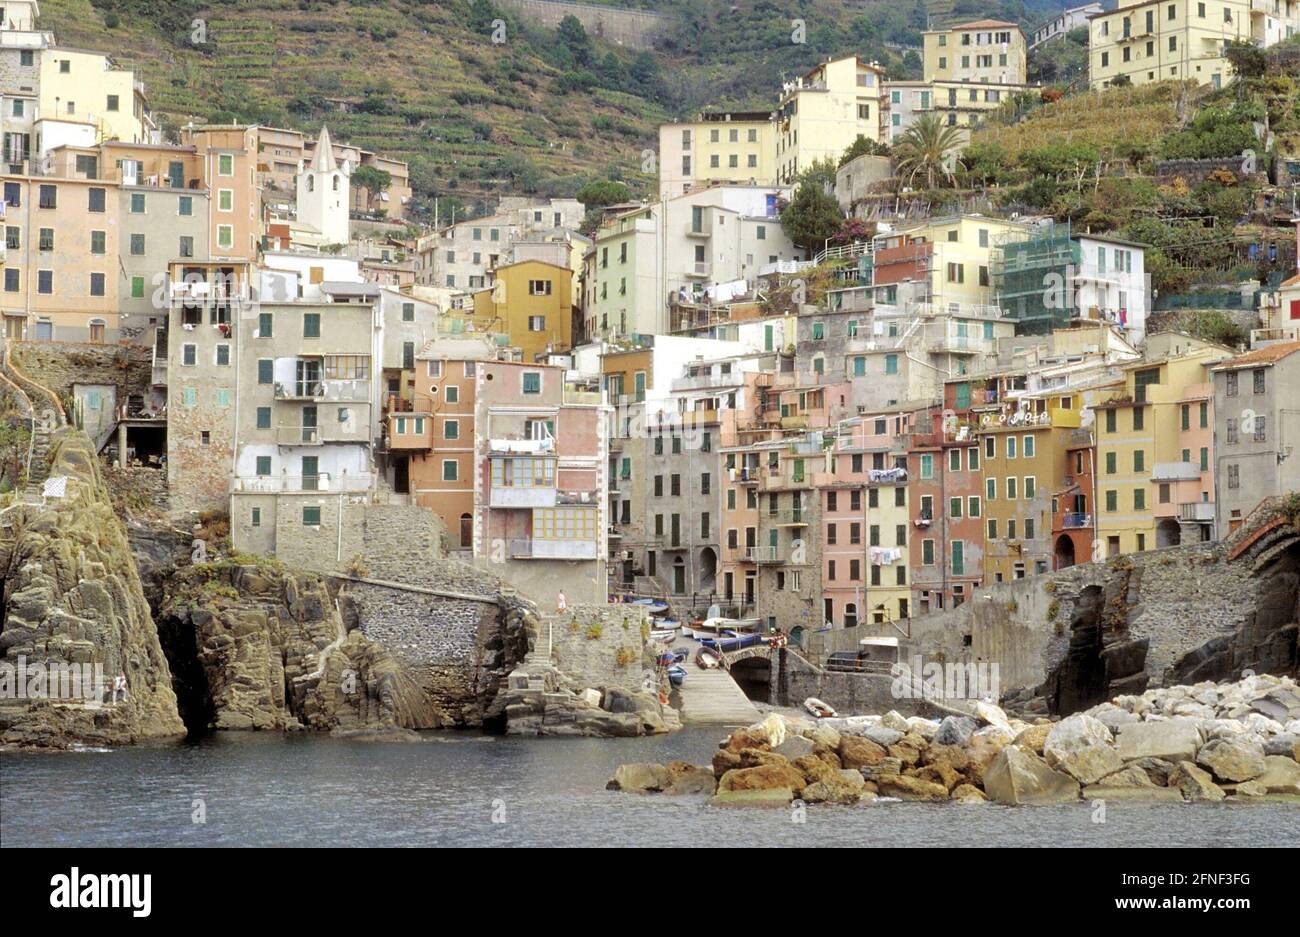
(712, 697)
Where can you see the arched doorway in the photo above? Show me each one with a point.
(1064, 551)
(466, 531)
(1168, 533)
(708, 570)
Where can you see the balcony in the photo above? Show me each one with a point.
(699, 271)
(301, 484)
(331, 391)
(1076, 521)
(707, 381)
(1175, 472)
(1200, 511)
(746, 476)
(553, 549)
(519, 496)
(763, 555)
(297, 436)
(787, 519)
(778, 481)
(521, 446)
(702, 230)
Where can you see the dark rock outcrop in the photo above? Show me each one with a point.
(72, 595)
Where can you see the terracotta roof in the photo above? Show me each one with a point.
(1266, 355)
(984, 24)
(1293, 281)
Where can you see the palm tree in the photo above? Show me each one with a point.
(922, 150)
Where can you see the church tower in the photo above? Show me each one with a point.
(325, 192)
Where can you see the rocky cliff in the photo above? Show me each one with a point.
(257, 646)
(72, 595)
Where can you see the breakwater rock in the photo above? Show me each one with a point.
(1205, 742)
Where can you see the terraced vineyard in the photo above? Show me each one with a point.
(422, 80)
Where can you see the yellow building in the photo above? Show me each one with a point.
(959, 259)
(962, 104)
(979, 52)
(1023, 446)
(731, 146)
(531, 302)
(823, 111)
(1184, 40)
(1154, 443)
(83, 87)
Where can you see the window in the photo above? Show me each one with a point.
(137, 203)
(225, 235)
(263, 418)
(1110, 421)
(11, 280)
(189, 354)
(1258, 374)
(1011, 447)
(1030, 486)
(1011, 488)
(990, 489)
(45, 281)
(1028, 447)
(532, 382)
(264, 461)
(265, 371)
(137, 287)
(185, 206)
(225, 200)
(311, 325)
(225, 164)
(223, 355)
(311, 516)
(45, 239)
(449, 470)
(256, 519)
(95, 200)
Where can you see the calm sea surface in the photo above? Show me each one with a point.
(268, 790)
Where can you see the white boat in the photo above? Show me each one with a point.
(717, 625)
(817, 708)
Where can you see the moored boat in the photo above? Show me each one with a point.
(677, 675)
(817, 708)
(708, 659)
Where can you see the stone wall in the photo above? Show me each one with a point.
(1175, 600)
(600, 645)
(58, 365)
(441, 641)
(634, 29)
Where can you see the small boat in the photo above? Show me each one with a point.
(688, 631)
(731, 641)
(818, 709)
(676, 675)
(680, 654)
(666, 659)
(662, 635)
(708, 659)
(653, 606)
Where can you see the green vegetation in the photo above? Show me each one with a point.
(424, 80)
(922, 152)
(813, 216)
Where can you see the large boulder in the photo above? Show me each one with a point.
(1130, 776)
(794, 746)
(690, 779)
(983, 747)
(908, 749)
(763, 778)
(640, 778)
(906, 788)
(1034, 738)
(838, 787)
(813, 768)
(825, 736)
(991, 715)
(1195, 784)
(1017, 776)
(1238, 759)
(724, 761)
(968, 794)
(1156, 769)
(773, 797)
(955, 730)
(881, 735)
(1281, 775)
(1173, 740)
(746, 738)
(1081, 747)
(856, 752)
